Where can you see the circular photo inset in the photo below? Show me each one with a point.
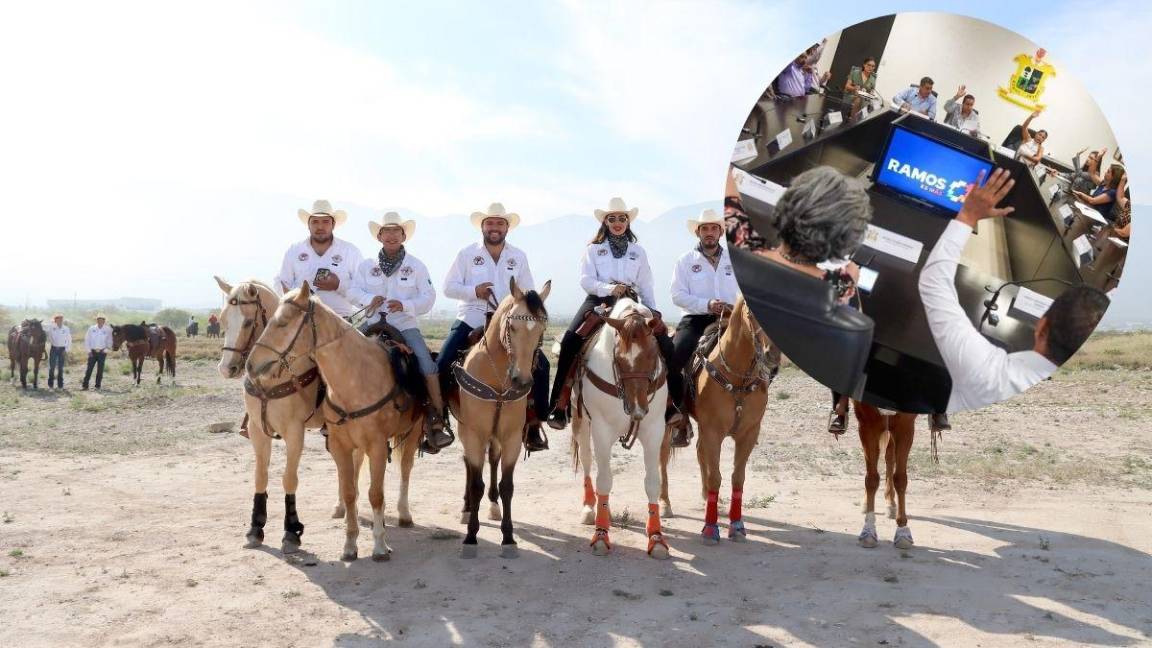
(926, 213)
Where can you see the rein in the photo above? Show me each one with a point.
(758, 373)
(252, 335)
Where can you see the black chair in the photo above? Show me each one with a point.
(1016, 137)
(917, 85)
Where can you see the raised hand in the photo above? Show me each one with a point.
(981, 201)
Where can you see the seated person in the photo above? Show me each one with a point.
(862, 78)
(962, 114)
(1103, 198)
(983, 373)
(1031, 149)
(918, 99)
(797, 79)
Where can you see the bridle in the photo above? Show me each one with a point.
(253, 334)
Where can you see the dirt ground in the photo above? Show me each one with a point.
(123, 520)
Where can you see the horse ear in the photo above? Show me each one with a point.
(252, 293)
(304, 293)
(617, 324)
(514, 290)
(223, 285)
(547, 289)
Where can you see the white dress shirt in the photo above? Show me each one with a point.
(474, 266)
(695, 282)
(982, 373)
(599, 270)
(60, 336)
(301, 262)
(409, 284)
(98, 338)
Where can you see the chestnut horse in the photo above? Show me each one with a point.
(143, 341)
(889, 434)
(495, 379)
(25, 343)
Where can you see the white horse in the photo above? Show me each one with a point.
(621, 396)
(276, 406)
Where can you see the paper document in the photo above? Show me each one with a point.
(1031, 302)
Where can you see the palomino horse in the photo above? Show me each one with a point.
(730, 394)
(26, 342)
(622, 394)
(283, 404)
(364, 395)
(156, 342)
(495, 379)
(888, 434)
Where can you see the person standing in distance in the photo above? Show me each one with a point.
(97, 341)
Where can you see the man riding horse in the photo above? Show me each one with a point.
(703, 286)
(326, 262)
(479, 280)
(396, 289)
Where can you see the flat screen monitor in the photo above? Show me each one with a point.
(927, 170)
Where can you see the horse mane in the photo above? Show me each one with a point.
(257, 282)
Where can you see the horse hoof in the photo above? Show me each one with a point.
(494, 511)
(589, 516)
(903, 539)
(867, 538)
(510, 551)
(338, 512)
(600, 548)
(349, 556)
(891, 511)
(465, 517)
(737, 532)
(404, 523)
(657, 548)
(666, 510)
(253, 542)
(382, 557)
(469, 551)
(710, 535)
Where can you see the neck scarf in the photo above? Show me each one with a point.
(389, 264)
(618, 244)
(713, 258)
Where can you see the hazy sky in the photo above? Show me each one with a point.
(150, 145)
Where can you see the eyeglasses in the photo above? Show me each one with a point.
(613, 218)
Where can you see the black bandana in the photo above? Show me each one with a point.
(714, 258)
(389, 264)
(619, 244)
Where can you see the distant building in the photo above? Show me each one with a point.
(122, 303)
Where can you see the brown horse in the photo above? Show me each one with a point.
(495, 379)
(730, 395)
(143, 341)
(365, 407)
(888, 434)
(26, 342)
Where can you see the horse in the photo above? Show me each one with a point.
(284, 408)
(192, 330)
(495, 379)
(629, 408)
(356, 371)
(26, 342)
(144, 341)
(213, 330)
(889, 434)
(729, 388)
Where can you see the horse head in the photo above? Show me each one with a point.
(636, 355)
(117, 337)
(291, 333)
(36, 332)
(243, 320)
(522, 321)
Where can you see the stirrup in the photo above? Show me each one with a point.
(837, 423)
(682, 434)
(543, 445)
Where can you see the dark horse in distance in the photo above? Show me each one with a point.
(26, 342)
(144, 341)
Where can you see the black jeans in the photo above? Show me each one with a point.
(688, 332)
(95, 359)
(56, 366)
(458, 338)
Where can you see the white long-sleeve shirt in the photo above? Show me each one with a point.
(60, 336)
(954, 116)
(98, 338)
(301, 262)
(599, 270)
(982, 373)
(695, 282)
(474, 266)
(409, 284)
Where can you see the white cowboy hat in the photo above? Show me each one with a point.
(616, 206)
(100, 316)
(392, 218)
(496, 210)
(323, 208)
(706, 216)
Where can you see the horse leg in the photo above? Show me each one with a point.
(665, 457)
(407, 457)
(294, 447)
(160, 368)
(708, 456)
(871, 428)
(494, 455)
(339, 510)
(346, 474)
(888, 447)
(601, 544)
(905, 430)
(583, 442)
(474, 467)
(24, 373)
(36, 372)
(653, 441)
(510, 452)
(262, 451)
(744, 446)
(377, 465)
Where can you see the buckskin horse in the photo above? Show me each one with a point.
(26, 342)
(282, 405)
(491, 405)
(620, 394)
(144, 341)
(729, 380)
(366, 407)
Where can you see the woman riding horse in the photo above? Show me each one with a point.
(613, 265)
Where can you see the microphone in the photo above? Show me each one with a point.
(990, 305)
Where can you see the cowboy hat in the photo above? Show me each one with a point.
(323, 208)
(616, 206)
(706, 216)
(392, 218)
(496, 210)
(100, 316)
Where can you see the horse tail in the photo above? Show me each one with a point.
(170, 360)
